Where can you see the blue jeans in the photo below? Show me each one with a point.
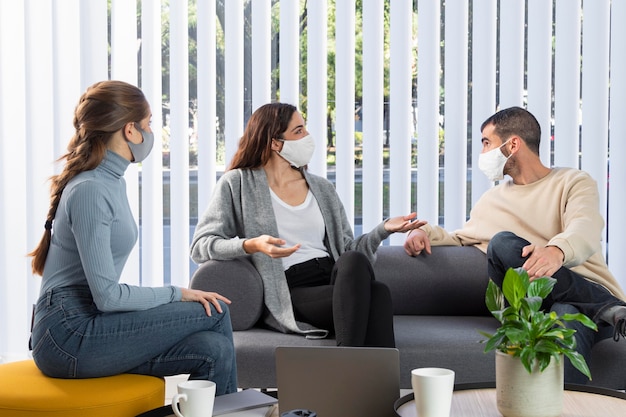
(72, 339)
(572, 293)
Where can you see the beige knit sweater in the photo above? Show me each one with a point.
(561, 209)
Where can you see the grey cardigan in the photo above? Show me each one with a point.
(241, 208)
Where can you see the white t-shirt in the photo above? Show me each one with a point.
(302, 224)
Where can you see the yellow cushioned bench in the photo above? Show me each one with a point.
(26, 392)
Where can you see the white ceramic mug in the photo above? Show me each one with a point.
(433, 388)
(195, 397)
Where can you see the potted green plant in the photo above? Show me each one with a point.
(530, 345)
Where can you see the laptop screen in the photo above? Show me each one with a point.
(338, 381)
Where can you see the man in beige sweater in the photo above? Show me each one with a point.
(544, 220)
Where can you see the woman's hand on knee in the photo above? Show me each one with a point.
(205, 298)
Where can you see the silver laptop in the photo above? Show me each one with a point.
(338, 381)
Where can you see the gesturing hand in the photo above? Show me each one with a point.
(205, 298)
(403, 223)
(269, 245)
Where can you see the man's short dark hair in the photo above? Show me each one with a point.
(519, 122)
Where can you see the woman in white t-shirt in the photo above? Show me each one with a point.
(317, 277)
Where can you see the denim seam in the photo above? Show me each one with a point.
(217, 327)
(207, 359)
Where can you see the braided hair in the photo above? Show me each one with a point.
(103, 109)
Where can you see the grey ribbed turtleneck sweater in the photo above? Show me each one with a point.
(93, 234)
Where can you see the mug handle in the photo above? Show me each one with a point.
(175, 399)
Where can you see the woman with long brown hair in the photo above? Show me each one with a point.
(87, 323)
(317, 277)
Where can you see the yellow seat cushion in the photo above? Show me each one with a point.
(25, 391)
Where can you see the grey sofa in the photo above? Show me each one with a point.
(438, 306)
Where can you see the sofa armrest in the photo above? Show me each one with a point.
(238, 280)
(451, 281)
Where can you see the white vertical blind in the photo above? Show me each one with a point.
(567, 83)
(400, 126)
(152, 268)
(14, 268)
(456, 113)
(317, 67)
(39, 119)
(484, 43)
(511, 53)
(595, 94)
(66, 59)
(344, 104)
(51, 50)
(540, 70)
(94, 43)
(179, 144)
(373, 102)
(261, 52)
(616, 221)
(123, 39)
(290, 49)
(428, 117)
(207, 108)
(233, 57)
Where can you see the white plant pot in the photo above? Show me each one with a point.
(523, 394)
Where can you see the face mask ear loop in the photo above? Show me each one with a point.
(124, 134)
(504, 144)
(278, 140)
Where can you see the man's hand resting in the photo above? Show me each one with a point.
(417, 242)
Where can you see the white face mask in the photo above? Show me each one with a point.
(298, 152)
(492, 163)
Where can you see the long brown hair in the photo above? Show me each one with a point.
(103, 109)
(268, 122)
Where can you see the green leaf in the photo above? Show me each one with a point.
(527, 357)
(541, 287)
(514, 286)
(547, 346)
(510, 314)
(579, 362)
(493, 297)
(543, 360)
(499, 315)
(580, 317)
(485, 334)
(494, 342)
(516, 336)
(531, 304)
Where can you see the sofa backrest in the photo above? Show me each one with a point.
(451, 281)
(238, 280)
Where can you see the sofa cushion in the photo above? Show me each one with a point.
(423, 341)
(450, 282)
(238, 280)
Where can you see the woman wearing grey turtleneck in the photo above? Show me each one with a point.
(87, 323)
